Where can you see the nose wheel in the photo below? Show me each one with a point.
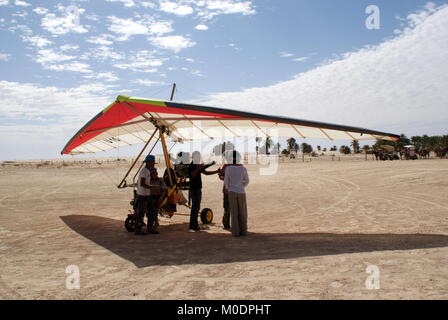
(206, 216)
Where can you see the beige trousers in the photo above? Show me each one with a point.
(238, 213)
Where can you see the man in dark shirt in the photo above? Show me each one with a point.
(226, 216)
(194, 172)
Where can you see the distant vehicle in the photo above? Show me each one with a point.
(387, 152)
(410, 152)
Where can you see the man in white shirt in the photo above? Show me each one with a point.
(236, 180)
(145, 203)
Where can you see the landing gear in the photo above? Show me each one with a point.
(129, 223)
(206, 216)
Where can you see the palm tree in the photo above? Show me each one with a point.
(345, 150)
(366, 148)
(355, 145)
(291, 142)
(306, 148)
(403, 141)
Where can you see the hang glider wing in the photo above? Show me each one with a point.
(130, 121)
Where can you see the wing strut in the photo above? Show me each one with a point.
(166, 156)
(141, 165)
(123, 182)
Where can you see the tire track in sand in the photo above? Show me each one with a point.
(59, 186)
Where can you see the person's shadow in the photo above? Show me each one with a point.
(176, 246)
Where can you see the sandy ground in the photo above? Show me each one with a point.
(315, 228)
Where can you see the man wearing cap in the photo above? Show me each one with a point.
(144, 201)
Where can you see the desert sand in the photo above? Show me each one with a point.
(315, 228)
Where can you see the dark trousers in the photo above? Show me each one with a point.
(145, 205)
(196, 197)
(226, 216)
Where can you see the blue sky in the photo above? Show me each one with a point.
(58, 71)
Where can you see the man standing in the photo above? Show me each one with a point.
(194, 172)
(225, 193)
(235, 181)
(144, 201)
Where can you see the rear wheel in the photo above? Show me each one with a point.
(129, 224)
(206, 216)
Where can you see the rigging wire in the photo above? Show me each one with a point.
(100, 164)
(193, 91)
(196, 93)
(172, 146)
(102, 169)
(186, 94)
(157, 91)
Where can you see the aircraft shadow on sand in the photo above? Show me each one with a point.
(176, 246)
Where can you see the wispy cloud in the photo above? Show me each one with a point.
(203, 9)
(38, 41)
(4, 56)
(106, 76)
(21, 3)
(291, 55)
(126, 28)
(63, 23)
(212, 8)
(50, 59)
(175, 43)
(103, 53)
(126, 3)
(40, 10)
(286, 55)
(71, 66)
(46, 56)
(148, 83)
(103, 39)
(201, 27)
(69, 47)
(142, 61)
(300, 59)
(176, 8)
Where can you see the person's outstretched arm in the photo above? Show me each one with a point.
(209, 173)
